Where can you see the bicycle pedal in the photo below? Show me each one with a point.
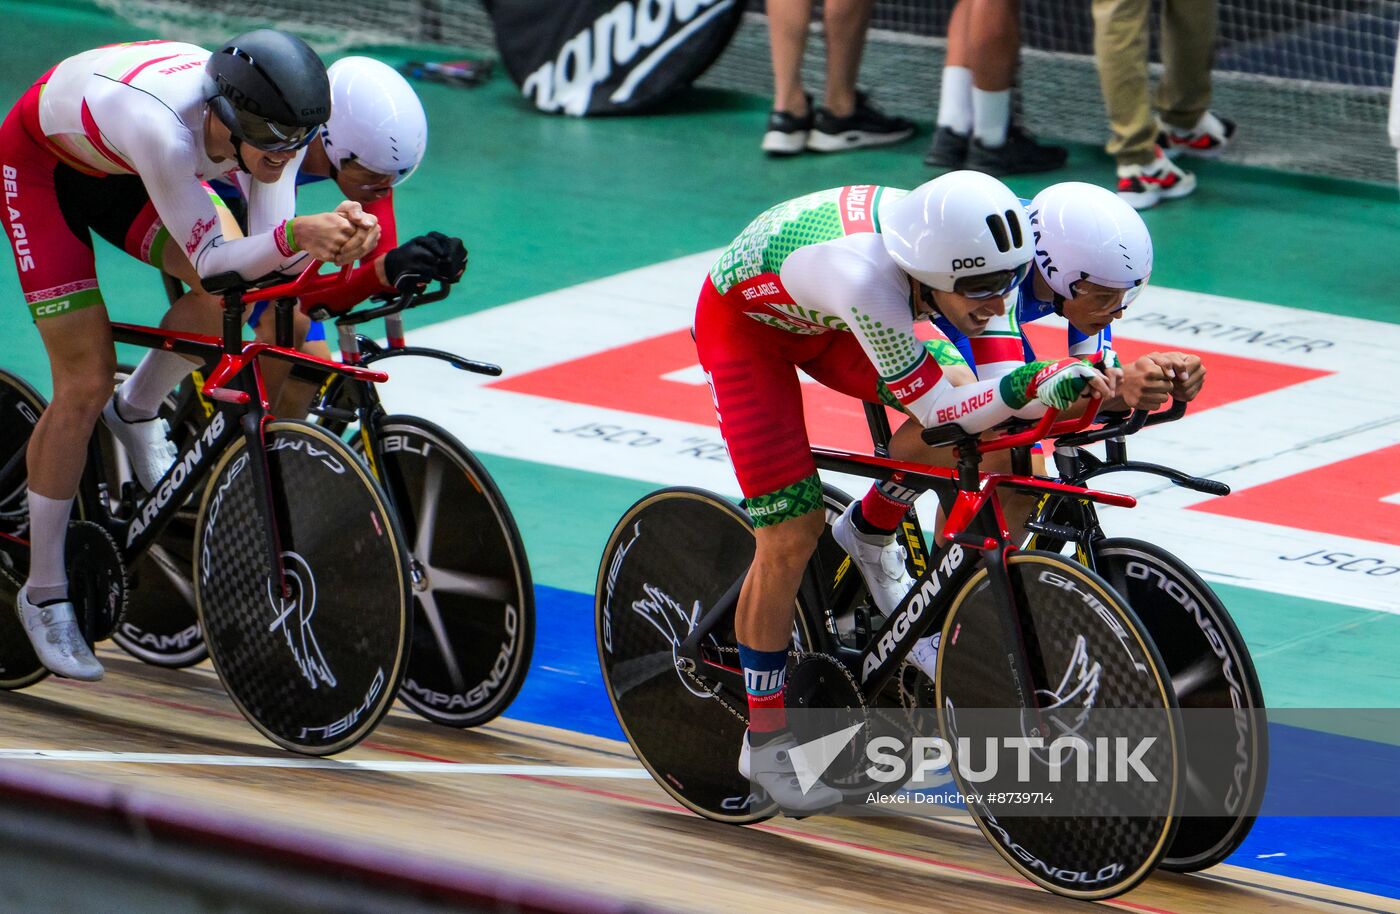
(335, 412)
(1058, 531)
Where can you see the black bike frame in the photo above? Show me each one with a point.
(974, 522)
(1076, 521)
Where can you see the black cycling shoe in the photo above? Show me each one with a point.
(948, 149)
(1019, 155)
(865, 126)
(787, 133)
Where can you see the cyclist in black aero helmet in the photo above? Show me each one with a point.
(269, 89)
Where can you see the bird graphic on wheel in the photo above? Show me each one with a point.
(294, 614)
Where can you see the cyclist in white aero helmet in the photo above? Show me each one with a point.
(377, 132)
(832, 283)
(374, 140)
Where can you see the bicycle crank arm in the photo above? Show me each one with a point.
(1058, 531)
(689, 648)
(456, 361)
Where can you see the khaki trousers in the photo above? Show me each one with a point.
(1120, 50)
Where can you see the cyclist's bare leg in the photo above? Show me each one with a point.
(289, 399)
(296, 397)
(766, 603)
(82, 360)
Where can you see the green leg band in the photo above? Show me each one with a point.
(65, 304)
(788, 502)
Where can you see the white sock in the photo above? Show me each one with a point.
(991, 116)
(48, 527)
(157, 375)
(955, 100)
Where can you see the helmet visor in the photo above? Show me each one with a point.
(270, 136)
(1130, 291)
(991, 285)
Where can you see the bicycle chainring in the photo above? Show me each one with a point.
(97, 582)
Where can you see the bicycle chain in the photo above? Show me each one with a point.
(713, 691)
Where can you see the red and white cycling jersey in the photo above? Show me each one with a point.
(140, 109)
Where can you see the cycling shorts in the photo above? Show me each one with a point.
(752, 371)
(54, 206)
(317, 331)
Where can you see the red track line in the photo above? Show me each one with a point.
(671, 807)
(823, 839)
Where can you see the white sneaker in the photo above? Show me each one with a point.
(772, 767)
(146, 442)
(879, 558)
(1207, 139)
(1143, 186)
(924, 654)
(57, 640)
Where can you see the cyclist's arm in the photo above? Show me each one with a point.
(871, 297)
(367, 278)
(163, 152)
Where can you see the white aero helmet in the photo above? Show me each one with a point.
(1083, 231)
(376, 119)
(962, 232)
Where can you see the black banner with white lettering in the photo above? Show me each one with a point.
(609, 56)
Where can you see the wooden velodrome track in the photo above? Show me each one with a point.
(536, 806)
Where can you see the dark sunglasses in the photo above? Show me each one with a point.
(270, 136)
(991, 285)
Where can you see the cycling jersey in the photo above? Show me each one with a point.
(126, 112)
(808, 284)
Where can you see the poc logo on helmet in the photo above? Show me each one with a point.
(967, 263)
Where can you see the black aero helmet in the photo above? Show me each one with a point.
(270, 89)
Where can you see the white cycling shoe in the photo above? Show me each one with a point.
(881, 563)
(774, 768)
(879, 558)
(146, 443)
(924, 654)
(57, 640)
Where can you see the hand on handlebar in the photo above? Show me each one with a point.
(1059, 384)
(421, 260)
(341, 237)
(1145, 384)
(1183, 370)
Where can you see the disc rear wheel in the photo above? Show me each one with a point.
(671, 558)
(473, 601)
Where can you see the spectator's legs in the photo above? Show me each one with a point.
(994, 39)
(993, 51)
(1188, 52)
(788, 21)
(955, 91)
(1120, 49)
(1145, 175)
(846, 22)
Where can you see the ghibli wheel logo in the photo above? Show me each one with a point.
(294, 614)
(616, 39)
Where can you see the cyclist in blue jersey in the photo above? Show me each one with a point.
(1093, 258)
